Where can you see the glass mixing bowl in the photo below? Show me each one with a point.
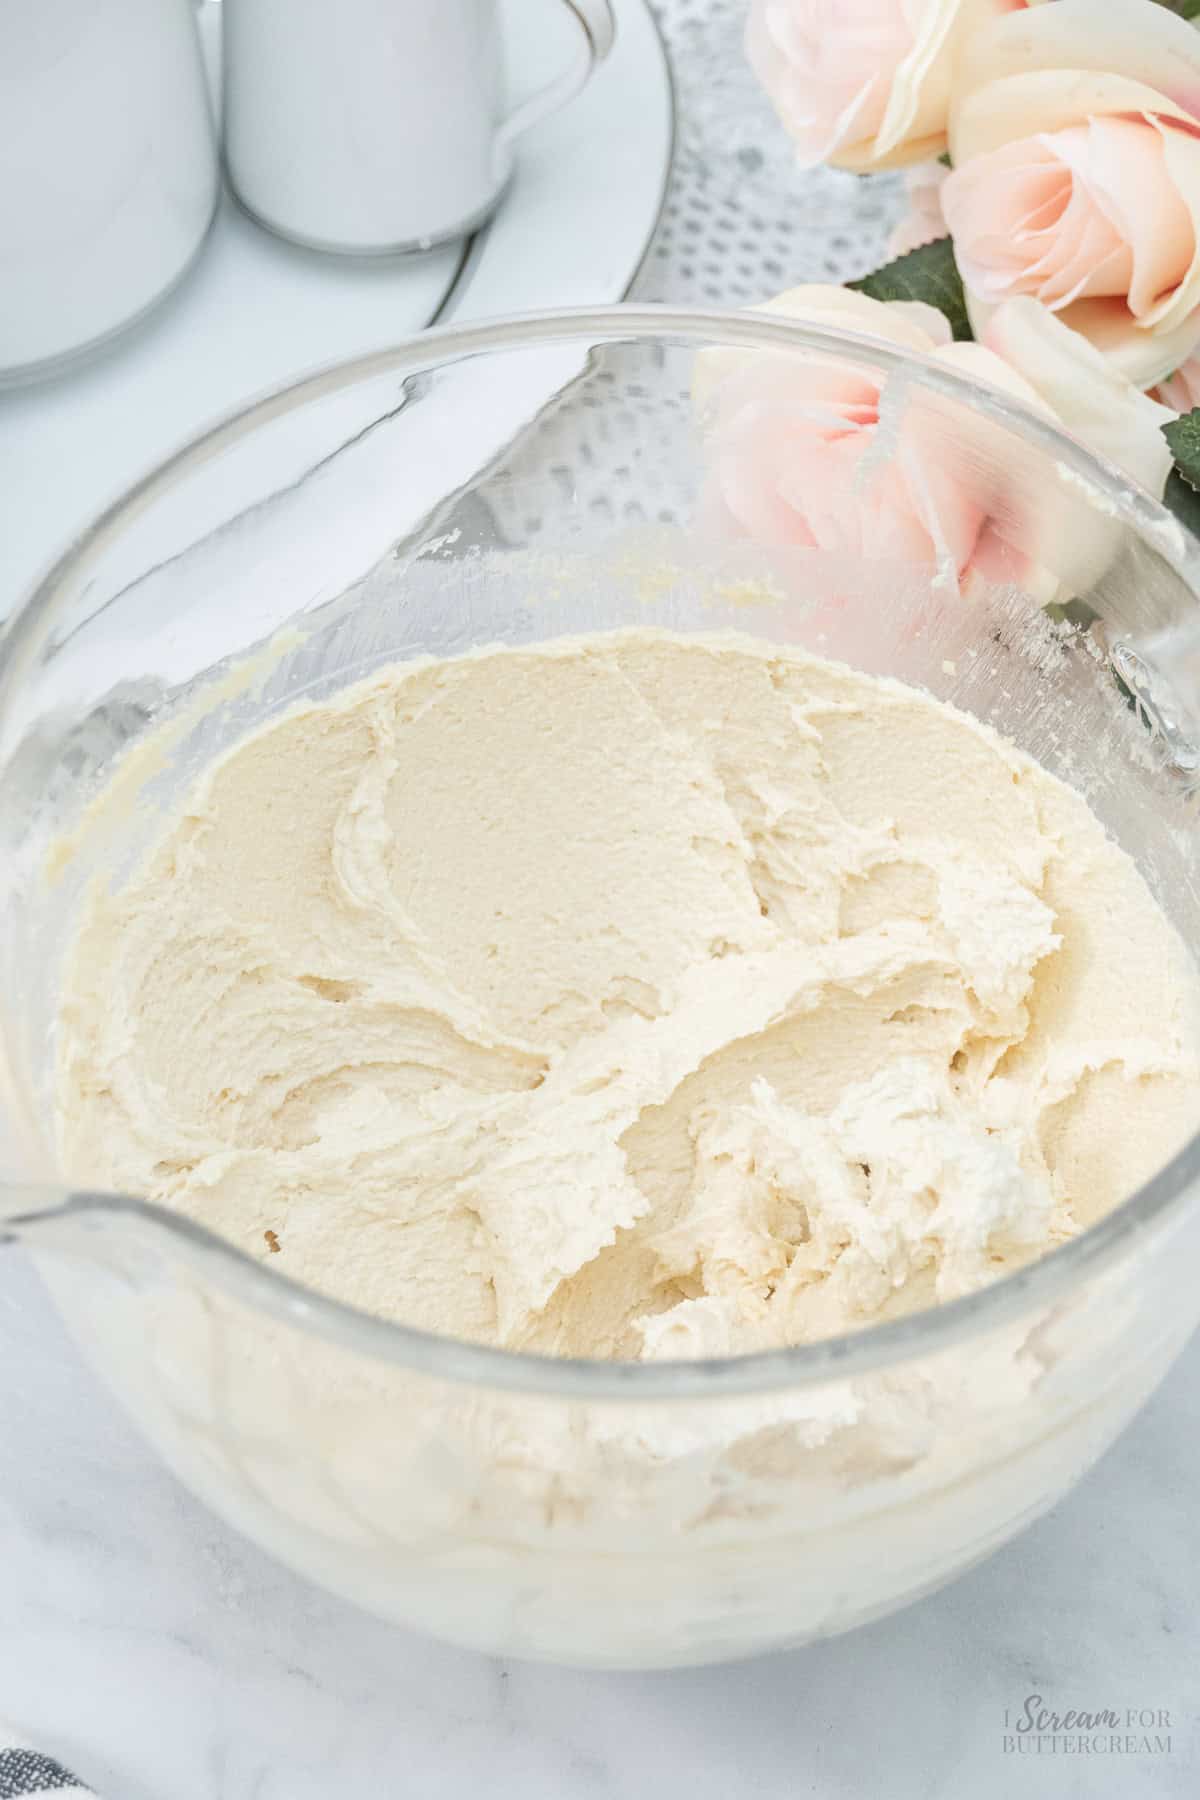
(509, 483)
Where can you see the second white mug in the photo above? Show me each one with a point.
(374, 126)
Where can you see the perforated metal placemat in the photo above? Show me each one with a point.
(741, 221)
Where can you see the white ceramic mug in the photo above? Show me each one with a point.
(108, 169)
(370, 126)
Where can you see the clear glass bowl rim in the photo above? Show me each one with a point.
(28, 1210)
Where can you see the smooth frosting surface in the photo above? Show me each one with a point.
(636, 995)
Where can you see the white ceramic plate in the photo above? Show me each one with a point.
(256, 311)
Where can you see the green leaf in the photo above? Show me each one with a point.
(929, 274)
(1186, 9)
(1183, 500)
(1072, 612)
(1183, 435)
(944, 158)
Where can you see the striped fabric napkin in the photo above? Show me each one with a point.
(25, 1774)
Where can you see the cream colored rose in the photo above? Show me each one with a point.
(1075, 139)
(1089, 396)
(863, 84)
(802, 449)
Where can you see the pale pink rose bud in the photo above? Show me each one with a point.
(1075, 138)
(864, 84)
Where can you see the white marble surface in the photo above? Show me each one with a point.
(166, 1659)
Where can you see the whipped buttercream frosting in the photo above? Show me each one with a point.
(634, 995)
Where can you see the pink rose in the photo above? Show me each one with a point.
(1075, 138)
(924, 222)
(802, 449)
(864, 84)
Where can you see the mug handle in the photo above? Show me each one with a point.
(597, 30)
